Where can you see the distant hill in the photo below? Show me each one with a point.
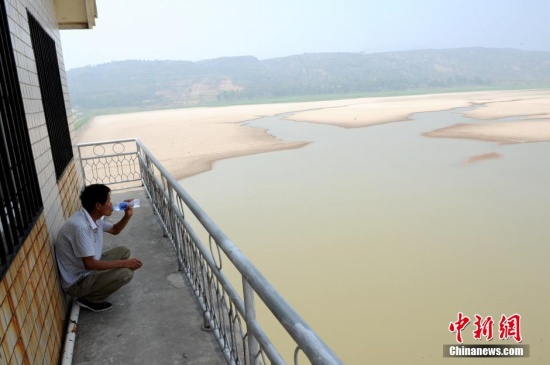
(172, 84)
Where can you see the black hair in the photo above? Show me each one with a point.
(92, 194)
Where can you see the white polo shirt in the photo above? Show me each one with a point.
(79, 237)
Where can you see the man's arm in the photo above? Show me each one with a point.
(92, 264)
(119, 226)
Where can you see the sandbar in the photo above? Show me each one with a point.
(483, 157)
(188, 141)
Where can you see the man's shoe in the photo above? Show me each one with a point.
(94, 307)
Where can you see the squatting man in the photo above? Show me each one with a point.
(87, 273)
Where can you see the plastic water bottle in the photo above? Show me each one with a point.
(122, 205)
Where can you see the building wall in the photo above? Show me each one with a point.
(44, 12)
(33, 309)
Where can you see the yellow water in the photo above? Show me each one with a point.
(378, 236)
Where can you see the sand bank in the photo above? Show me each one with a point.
(483, 157)
(532, 124)
(373, 111)
(510, 132)
(189, 141)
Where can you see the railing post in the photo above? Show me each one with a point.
(139, 153)
(175, 234)
(81, 166)
(249, 316)
(170, 207)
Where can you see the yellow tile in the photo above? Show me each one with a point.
(19, 352)
(13, 300)
(41, 288)
(56, 355)
(5, 317)
(3, 292)
(16, 291)
(43, 341)
(25, 269)
(31, 258)
(35, 229)
(26, 333)
(8, 278)
(39, 267)
(11, 336)
(35, 249)
(3, 356)
(48, 267)
(50, 285)
(48, 355)
(21, 313)
(48, 322)
(26, 359)
(39, 244)
(31, 285)
(8, 300)
(14, 267)
(44, 235)
(29, 265)
(39, 356)
(27, 245)
(21, 282)
(35, 303)
(41, 314)
(21, 256)
(53, 349)
(33, 345)
(5, 348)
(13, 361)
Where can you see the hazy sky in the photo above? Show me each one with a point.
(194, 30)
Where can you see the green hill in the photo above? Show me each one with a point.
(137, 85)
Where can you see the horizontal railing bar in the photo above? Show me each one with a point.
(123, 182)
(118, 141)
(106, 156)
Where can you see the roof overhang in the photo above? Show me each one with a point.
(76, 14)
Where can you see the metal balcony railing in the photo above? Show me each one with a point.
(231, 318)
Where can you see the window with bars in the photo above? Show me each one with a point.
(47, 67)
(20, 199)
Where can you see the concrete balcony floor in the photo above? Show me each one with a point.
(155, 319)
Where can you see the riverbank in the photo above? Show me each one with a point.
(189, 141)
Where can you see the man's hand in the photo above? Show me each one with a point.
(128, 213)
(129, 210)
(133, 264)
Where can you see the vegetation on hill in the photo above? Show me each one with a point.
(142, 85)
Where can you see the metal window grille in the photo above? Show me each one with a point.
(20, 199)
(51, 91)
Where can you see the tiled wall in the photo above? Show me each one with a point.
(32, 306)
(44, 12)
(69, 190)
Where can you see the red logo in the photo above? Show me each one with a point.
(458, 326)
(510, 327)
(507, 327)
(484, 327)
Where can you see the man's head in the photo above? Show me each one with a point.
(96, 197)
